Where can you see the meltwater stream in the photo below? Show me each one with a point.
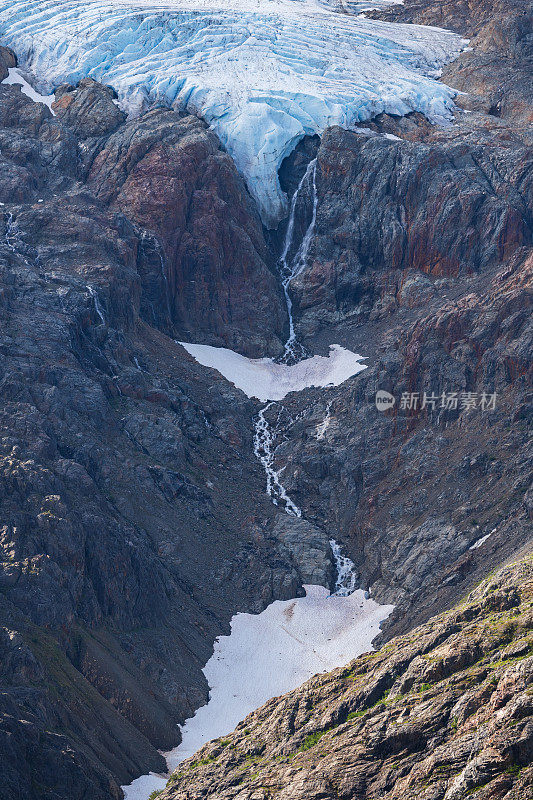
(291, 267)
(270, 653)
(264, 450)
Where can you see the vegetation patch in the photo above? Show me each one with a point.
(312, 739)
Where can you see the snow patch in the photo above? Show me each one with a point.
(15, 77)
(263, 75)
(269, 654)
(264, 379)
(482, 540)
(142, 788)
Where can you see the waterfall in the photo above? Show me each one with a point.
(264, 433)
(264, 450)
(156, 244)
(165, 280)
(324, 425)
(346, 582)
(291, 267)
(13, 240)
(12, 233)
(97, 306)
(17, 245)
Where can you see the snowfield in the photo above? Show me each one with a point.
(15, 78)
(262, 73)
(264, 379)
(269, 654)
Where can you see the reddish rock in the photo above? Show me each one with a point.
(169, 175)
(453, 204)
(88, 110)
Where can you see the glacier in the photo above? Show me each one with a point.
(262, 73)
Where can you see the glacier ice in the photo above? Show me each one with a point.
(262, 73)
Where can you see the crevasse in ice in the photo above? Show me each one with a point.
(262, 73)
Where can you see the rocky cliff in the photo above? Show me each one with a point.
(134, 518)
(127, 541)
(442, 713)
(421, 260)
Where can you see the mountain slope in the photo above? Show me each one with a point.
(133, 519)
(442, 713)
(134, 516)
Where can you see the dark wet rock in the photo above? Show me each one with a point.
(7, 60)
(446, 208)
(124, 469)
(294, 165)
(169, 175)
(309, 548)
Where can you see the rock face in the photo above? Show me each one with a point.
(496, 71)
(411, 490)
(88, 109)
(169, 175)
(442, 713)
(128, 537)
(421, 261)
(309, 548)
(134, 518)
(7, 60)
(402, 196)
(397, 206)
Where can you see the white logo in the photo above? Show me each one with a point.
(384, 400)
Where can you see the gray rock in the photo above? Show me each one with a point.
(88, 110)
(7, 60)
(309, 549)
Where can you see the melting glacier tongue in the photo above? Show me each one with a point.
(263, 75)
